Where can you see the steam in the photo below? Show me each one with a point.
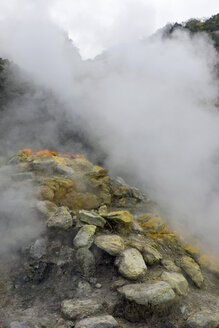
(148, 105)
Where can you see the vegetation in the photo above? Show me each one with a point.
(210, 26)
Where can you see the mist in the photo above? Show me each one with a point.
(148, 105)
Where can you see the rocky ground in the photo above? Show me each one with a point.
(105, 258)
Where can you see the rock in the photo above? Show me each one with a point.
(192, 251)
(177, 282)
(65, 256)
(43, 164)
(38, 249)
(131, 264)
(98, 285)
(153, 225)
(170, 266)
(64, 170)
(192, 269)
(62, 219)
(103, 210)
(118, 283)
(22, 324)
(85, 236)
(84, 289)
(22, 176)
(86, 261)
(91, 218)
(136, 227)
(149, 295)
(46, 208)
(151, 255)
(78, 309)
(79, 200)
(119, 216)
(203, 319)
(112, 244)
(104, 321)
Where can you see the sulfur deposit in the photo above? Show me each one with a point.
(105, 258)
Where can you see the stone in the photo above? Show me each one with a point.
(151, 255)
(170, 266)
(153, 225)
(46, 208)
(85, 236)
(192, 251)
(22, 176)
(177, 282)
(112, 244)
(91, 218)
(193, 270)
(131, 264)
(98, 285)
(64, 170)
(104, 321)
(78, 309)
(38, 249)
(83, 289)
(148, 294)
(86, 261)
(22, 324)
(119, 216)
(62, 219)
(203, 319)
(43, 164)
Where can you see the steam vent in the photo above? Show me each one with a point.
(103, 257)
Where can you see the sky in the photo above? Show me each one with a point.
(100, 24)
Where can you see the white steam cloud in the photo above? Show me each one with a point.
(149, 104)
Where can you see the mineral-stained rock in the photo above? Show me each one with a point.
(151, 255)
(86, 261)
(91, 218)
(79, 200)
(119, 216)
(149, 294)
(62, 219)
(64, 170)
(153, 225)
(85, 236)
(177, 282)
(131, 264)
(78, 309)
(192, 251)
(170, 266)
(38, 249)
(112, 244)
(203, 319)
(192, 269)
(104, 321)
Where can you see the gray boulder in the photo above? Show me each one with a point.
(91, 218)
(86, 261)
(85, 236)
(131, 264)
(112, 244)
(177, 281)
(104, 321)
(78, 309)
(38, 249)
(150, 295)
(151, 255)
(203, 319)
(62, 219)
(193, 270)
